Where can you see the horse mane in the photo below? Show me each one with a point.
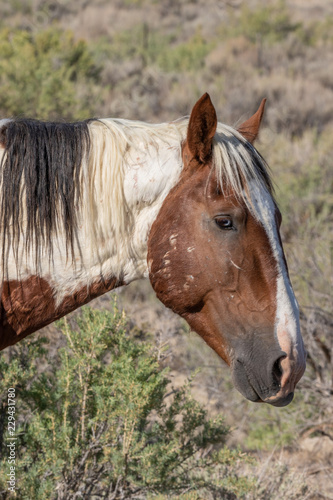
(40, 172)
(52, 171)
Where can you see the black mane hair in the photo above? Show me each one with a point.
(40, 181)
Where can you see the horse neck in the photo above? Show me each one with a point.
(122, 192)
(123, 189)
(131, 169)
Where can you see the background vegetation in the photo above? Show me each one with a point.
(151, 60)
(101, 421)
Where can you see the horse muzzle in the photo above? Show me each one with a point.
(272, 381)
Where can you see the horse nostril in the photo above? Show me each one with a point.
(277, 370)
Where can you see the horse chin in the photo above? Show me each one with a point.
(249, 393)
(280, 402)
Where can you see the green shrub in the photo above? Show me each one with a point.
(47, 75)
(153, 48)
(270, 22)
(138, 42)
(186, 56)
(99, 421)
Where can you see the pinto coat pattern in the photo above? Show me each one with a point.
(93, 205)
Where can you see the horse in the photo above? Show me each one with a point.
(93, 205)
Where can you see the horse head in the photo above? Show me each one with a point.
(215, 258)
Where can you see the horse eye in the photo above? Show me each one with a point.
(224, 223)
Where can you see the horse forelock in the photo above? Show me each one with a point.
(239, 166)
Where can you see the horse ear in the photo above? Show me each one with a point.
(201, 129)
(250, 128)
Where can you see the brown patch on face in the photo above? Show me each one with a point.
(29, 305)
(211, 261)
(222, 282)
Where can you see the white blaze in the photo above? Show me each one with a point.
(287, 326)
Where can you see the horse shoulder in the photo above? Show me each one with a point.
(27, 306)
